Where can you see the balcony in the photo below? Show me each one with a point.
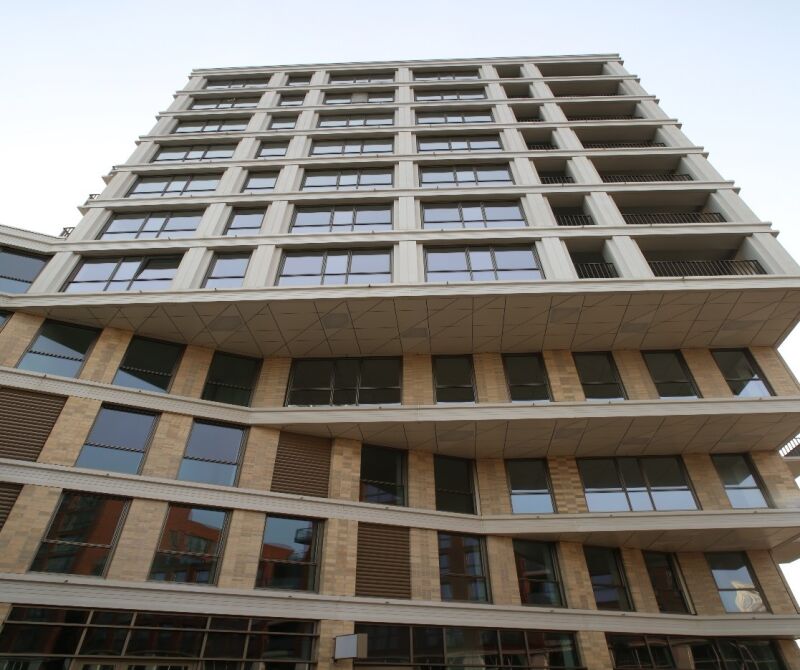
(538, 139)
(519, 91)
(706, 268)
(658, 218)
(621, 137)
(576, 69)
(791, 455)
(668, 207)
(596, 270)
(610, 110)
(585, 88)
(572, 217)
(527, 113)
(555, 178)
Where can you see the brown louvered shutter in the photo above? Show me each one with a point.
(26, 419)
(302, 465)
(8, 496)
(383, 567)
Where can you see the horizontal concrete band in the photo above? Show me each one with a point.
(69, 591)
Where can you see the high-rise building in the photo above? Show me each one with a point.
(474, 358)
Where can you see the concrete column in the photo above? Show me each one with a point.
(277, 220)
(603, 210)
(697, 166)
(731, 206)
(512, 140)
(305, 121)
(403, 74)
(164, 126)
(404, 175)
(317, 78)
(631, 87)
(246, 149)
(530, 71)
(195, 83)
(524, 174)
(55, 273)
(288, 179)
(565, 138)
(649, 109)
(404, 117)
(313, 98)
(615, 67)
(503, 113)
(144, 153)
(192, 268)
(537, 211)
(555, 260)
(672, 136)
(764, 248)
(406, 263)
(118, 187)
(407, 214)
(404, 144)
(232, 181)
(583, 171)
(258, 270)
(180, 102)
(552, 113)
(215, 218)
(488, 72)
(541, 90)
(298, 147)
(627, 258)
(90, 225)
(494, 91)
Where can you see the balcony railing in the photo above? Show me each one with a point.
(616, 178)
(574, 219)
(529, 119)
(596, 270)
(603, 117)
(641, 218)
(556, 179)
(541, 146)
(66, 231)
(720, 268)
(644, 144)
(791, 446)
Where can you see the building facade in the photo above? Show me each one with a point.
(474, 357)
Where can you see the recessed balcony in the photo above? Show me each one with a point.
(709, 256)
(600, 111)
(621, 137)
(668, 207)
(642, 169)
(584, 88)
(575, 69)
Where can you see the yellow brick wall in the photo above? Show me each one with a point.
(328, 630)
(106, 355)
(493, 492)
(421, 483)
(242, 550)
(772, 583)
(641, 589)
(490, 378)
(417, 379)
(339, 548)
(777, 477)
(138, 541)
(707, 485)
(699, 583)
(567, 486)
(345, 480)
(594, 650)
(776, 371)
(575, 576)
(790, 652)
(192, 372)
(706, 373)
(168, 444)
(635, 376)
(16, 335)
(25, 526)
(70, 431)
(424, 555)
(5, 608)
(270, 390)
(564, 381)
(502, 570)
(259, 458)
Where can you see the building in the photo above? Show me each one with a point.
(475, 357)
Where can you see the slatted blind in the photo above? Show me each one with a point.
(383, 566)
(302, 465)
(26, 420)
(8, 496)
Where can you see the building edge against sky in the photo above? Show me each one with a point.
(474, 357)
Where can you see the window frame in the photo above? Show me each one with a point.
(315, 551)
(264, 144)
(609, 356)
(258, 368)
(449, 95)
(401, 484)
(363, 78)
(544, 384)
(344, 142)
(349, 120)
(220, 103)
(492, 249)
(119, 260)
(172, 374)
(281, 121)
(334, 208)
(223, 255)
(359, 173)
(226, 125)
(483, 577)
(684, 367)
(245, 433)
(286, 254)
(449, 116)
(189, 148)
(753, 577)
(450, 140)
(14, 251)
(678, 582)
(166, 193)
(548, 481)
(89, 349)
(424, 169)
(437, 386)
(147, 216)
(460, 204)
(470, 463)
(760, 485)
(244, 210)
(759, 373)
(286, 99)
(367, 95)
(259, 174)
(557, 580)
(446, 75)
(233, 83)
(619, 583)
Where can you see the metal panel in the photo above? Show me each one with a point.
(383, 567)
(26, 420)
(302, 465)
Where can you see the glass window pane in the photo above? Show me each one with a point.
(215, 442)
(122, 428)
(453, 370)
(112, 460)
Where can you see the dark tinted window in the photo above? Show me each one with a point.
(227, 271)
(599, 377)
(608, 582)
(744, 377)
(454, 484)
(444, 216)
(454, 116)
(4, 316)
(212, 453)
(530, 486)
(231, 378)
(453, 379)
(148, 364)
(735, 582)
(330, 268)
(342, 219)
(18, 269)
(347, 180)
(383, 475)
(59, 349)
(662, 568)
(460, 175)
(127, 273)
(481, 264)
(151, 225)
(118, 440)
(462, 569)
(345, 381)
(740, 481)
(670, 374)
(466, 143)
(527, 378)
(288, 554)
(81, 535)
(537, 571)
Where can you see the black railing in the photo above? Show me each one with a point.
(705, 268)
(602, 117)
(574, 219)
(596, 270)
(791, 448)
(529, 119)
(541, 146)
(67, 231)
(615, 178)
(556, 179)
(623, 145)
(673, 217)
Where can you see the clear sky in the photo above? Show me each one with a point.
(81, 80)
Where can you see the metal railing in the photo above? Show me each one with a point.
(667, 176)
(790, 446)
(574, 219)
(596, 270)
(719, 268)
(66, 231)
(529, 119)
(602, 117)
(673, 217)
(644, 144)
(541, 146)
(556, 179)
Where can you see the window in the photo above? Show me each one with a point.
(347, 180)
(457, 75)
(224, 103)
(288, 554)
(117, 441)
(148, 364)
(211, 126)
(454, 486)
(258, 182)
(526, 376)
(59, 349)
(245, 222)
(364, 78)
(4, 316)
(735, 582)
(607, 577)
(227, 271)
(18, 269)
(453, 379)
(743, 375)
(460, 175)
(291, 100)
(383, 475)
(529, 482)
(740, 480)
(166, 186)
(453, 215)
(450, 94)
(152, 225)
(272, 149)
(599, 377)
(352, 147)
(453, 116)
(636, 484)
(81, 535)
(473, 143)
(345, 381)
(190, 545)
(212, 453)
(282, 122)
(299, 80)
(537, 571)
(211, 152)
(231, 378)
(341, 219)
(462, 572)
(481, 264)
(358, 97)
(236, 83)
(128, 273)
(304, 268)
(355, 120)
(670, 374)
(667, 582)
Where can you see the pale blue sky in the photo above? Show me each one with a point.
(81, 80)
